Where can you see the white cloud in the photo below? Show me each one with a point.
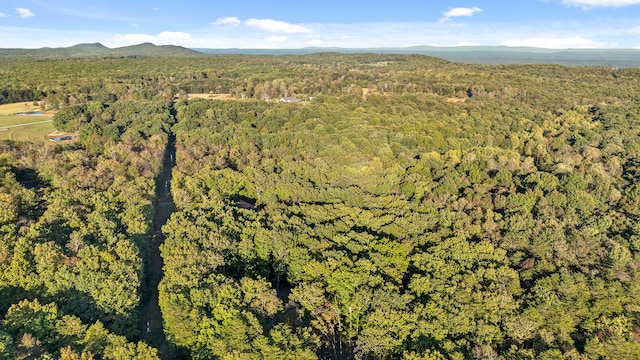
(230, 20)
(466, 43)
(460, 11)
(3, 15)
(576, 42)
(25, 13)
(163, 38)
(586, 4)
(277, 38)
(599, 33)
(277, 26)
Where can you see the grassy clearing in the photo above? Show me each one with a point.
(12, 120)
(36, 133)
(15, 108)
(211, 96)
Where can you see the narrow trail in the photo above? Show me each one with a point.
(25, 124)
(150, 314)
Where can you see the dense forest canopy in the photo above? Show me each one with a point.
(405, 208)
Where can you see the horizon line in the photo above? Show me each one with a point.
(333, 47)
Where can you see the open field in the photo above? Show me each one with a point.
(212, 96)
(35, 128)
(16, 120)
(15, 108)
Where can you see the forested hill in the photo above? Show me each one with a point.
(488, 55)
(99, 50)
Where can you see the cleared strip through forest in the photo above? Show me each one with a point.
(150, 315)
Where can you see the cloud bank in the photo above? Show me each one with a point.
(231, 20)
(276, 26)
(586, 4)
(163, 38)
(575, 42)
(236, 32)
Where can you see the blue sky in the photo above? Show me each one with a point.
(321, 23)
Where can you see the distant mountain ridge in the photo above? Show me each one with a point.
(89, 47)
(99, 50)
(492, 55)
